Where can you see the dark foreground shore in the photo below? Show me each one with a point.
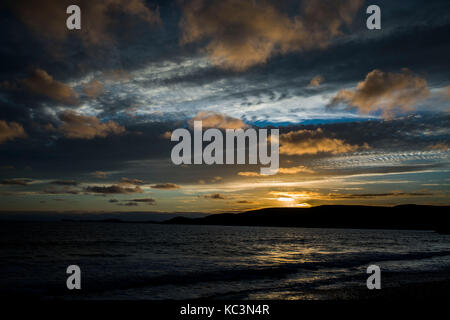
(415, 286)
(433, 290)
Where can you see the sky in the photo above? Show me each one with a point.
(86, 115)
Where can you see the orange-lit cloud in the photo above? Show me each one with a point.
(41, 83)
(445, 93)
(312, 142)
(118, 75)
(166, 186)
(289, 170)
(249, 174)
(217, 120)
(127, 181)
(48, 17)
(294, 170)
(439, 146)
(166, 135)
(16, 181)
(385, 91)
(93, 89)
(240, 34)
(101, 174)
(316, 81)
(10, 131)
(75, 126)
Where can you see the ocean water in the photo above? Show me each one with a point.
(149, 261)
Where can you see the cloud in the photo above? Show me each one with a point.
(385, 91)
(166, 186)
(216, 120)
(75, 126)
(379, 195)
(128, 204)
(16, 181)
(244, 202)
(239, 34)
(65, 182)
(48, 17)
(65, 190)
(131, 181)
(290, 170)
(113, 189)
(10, 131)
(43, 84)
(439, 146)
(7, 167)
(445, 93)
(93, 89)
(249, 174)
(294, 170)
(148, 201)
(101, 174)
(167, 135)
(215, 196)
(296, 195)
(312, 142)
(316, 81)
(133, 202)
(118, 75)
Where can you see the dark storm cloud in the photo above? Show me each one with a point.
(244, 202)
(128, 204)
(114, 189)
(76, 126)
(68, 158)
(165, 186)
(378, 195)
(241, 34)
(10, 131)
(148, 201)
(215, 196)
(133, 202)
(417, 44)
(48, 18)
(415, 40)
(41, 83)
(131, 181)
(16, 181)
(111, 37)
(65, 182)
(65, 190)
(146, 156)
(412, 132)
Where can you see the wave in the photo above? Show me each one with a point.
(132, 281)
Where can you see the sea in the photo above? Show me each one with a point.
(135, 261)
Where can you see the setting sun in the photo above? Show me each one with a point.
(285, 199)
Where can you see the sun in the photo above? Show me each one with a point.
(285, 199)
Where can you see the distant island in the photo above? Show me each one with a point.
(401, 217)
(407, 217)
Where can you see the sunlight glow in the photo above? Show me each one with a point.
(285, 199)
